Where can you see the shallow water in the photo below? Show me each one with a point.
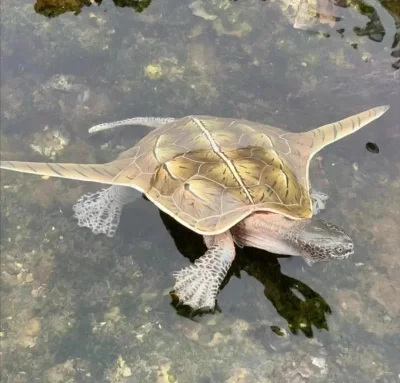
(76, 307)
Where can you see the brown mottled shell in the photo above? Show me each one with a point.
(209, 173)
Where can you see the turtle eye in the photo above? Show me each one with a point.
(340, 250)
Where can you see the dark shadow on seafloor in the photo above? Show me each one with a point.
(301, 314)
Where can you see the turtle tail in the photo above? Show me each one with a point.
(150, 122)
(103, 173)
(320, 137)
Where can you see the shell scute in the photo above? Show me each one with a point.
(218, 172)
(199, 198)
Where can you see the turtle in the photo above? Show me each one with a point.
(233, 181)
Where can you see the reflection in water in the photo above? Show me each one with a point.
(54, 8)
(301, 306)
(326, 12)
(308, 15)
(374, 28)
(297, 303)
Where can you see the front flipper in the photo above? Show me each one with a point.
(197, 285)
(151, 122)
(318, 200)
(101, 211)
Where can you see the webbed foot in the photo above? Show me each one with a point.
(197, 285)
(101, 211)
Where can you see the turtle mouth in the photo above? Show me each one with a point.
(344, 256)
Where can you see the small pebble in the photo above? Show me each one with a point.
(278, 331)
(113, 314)
(29, 278)
(319, 362)
(126, 372)
(387, 319)
(32, 328)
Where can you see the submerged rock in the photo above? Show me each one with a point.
(32, 327)
(385, 289)
(49, 142)
(120, 372)
(153, 71)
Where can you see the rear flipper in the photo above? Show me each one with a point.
(197, 285)
(101, 211)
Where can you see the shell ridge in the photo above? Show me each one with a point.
(216, 148)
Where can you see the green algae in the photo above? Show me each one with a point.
(137, 5)
(55, 8)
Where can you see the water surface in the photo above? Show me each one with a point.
(76, 307)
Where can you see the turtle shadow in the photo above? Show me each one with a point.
(302, 307)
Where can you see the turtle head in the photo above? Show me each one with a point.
(321, 241)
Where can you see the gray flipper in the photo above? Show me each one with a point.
(151, 122)
(318, 200)
(197, 285)
(101, 211)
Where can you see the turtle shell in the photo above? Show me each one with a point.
(209, 173)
